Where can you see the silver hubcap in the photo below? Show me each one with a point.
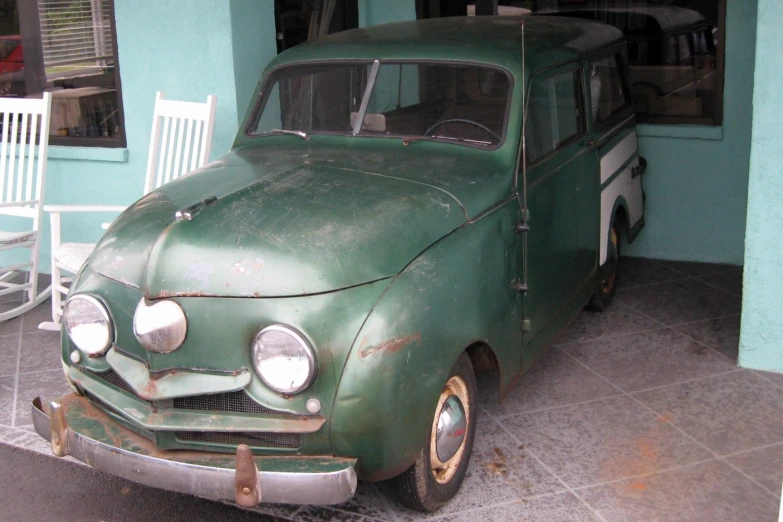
(451, 431)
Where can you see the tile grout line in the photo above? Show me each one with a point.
(686, 381)
(551, 408)
(722, 271)
(715, 454)
(674, 328)
(16, 376)
(697, 278)
(551, 472)
(607, 337)
(645, 330)
(520, 500)
(648, 474)
(757, 448)
(31, 373)
(618, 394)
(645, 285)
(717, 287)
(758, 374)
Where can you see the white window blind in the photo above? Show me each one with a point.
(75, 37)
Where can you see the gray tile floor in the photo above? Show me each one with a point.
(638, 414)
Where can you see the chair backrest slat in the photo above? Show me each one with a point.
(4, 139)
(186, 152)
(181, 139)
(9, 194)
(178, 148)
(31, 163)
(24, 145)
(170, 151)
(24, 137)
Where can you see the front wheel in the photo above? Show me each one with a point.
(438, 472)
(604, 293)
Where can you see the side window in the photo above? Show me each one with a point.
(608, 89)
(555, 114)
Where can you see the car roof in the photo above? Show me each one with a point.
(668, 18)
(493, 40)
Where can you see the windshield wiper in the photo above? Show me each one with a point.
(291, 132)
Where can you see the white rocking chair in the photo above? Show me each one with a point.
(180, 143)
(22, 180)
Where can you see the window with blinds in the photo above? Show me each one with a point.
(67, 48)
(76, 37)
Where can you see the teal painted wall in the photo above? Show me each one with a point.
(253, 35)
(761, 340)
(697, 180)
(186, 48)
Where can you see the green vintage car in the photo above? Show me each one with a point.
(310, 309)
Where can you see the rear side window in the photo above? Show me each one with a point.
(608, 89)
(555, 114)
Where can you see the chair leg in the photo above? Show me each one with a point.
(56, 295)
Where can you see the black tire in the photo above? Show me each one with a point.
(423, 488)
(604, 293)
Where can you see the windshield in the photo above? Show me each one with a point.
(466, 104)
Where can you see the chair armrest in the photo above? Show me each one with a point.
(85, 208)
(19, 203)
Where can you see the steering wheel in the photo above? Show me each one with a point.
(461, 120)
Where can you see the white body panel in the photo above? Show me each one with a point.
(623, 185)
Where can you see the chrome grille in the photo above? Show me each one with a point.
(114, 378)
(237, 402)
(255, 440)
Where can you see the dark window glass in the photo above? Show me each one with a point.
(554, 114)
(608, 89)
(67, 48)
(300, 21)
(464, 104)
(675, 53)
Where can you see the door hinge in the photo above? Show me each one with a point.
(522, 227)
(519, 286)
(525, 215)
(527, 326)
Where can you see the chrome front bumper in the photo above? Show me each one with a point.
(238, 480)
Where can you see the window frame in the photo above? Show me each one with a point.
(263, 94)
(30, 30)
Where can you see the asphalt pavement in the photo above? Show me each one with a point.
(36, 487)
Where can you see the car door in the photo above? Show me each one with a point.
(561, 182)
(613, 137)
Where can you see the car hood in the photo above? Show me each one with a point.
(283, 224)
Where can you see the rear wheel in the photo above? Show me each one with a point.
(438, 472)
(604, 293)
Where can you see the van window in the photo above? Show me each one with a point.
(608, 90)
(555, 114)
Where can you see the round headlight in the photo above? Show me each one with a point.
(160, 327)
(283, 359)
(88, 324)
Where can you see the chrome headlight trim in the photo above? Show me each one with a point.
(104, 312)
(160, 327)
(307, 349)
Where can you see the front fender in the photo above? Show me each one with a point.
(453, 295)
